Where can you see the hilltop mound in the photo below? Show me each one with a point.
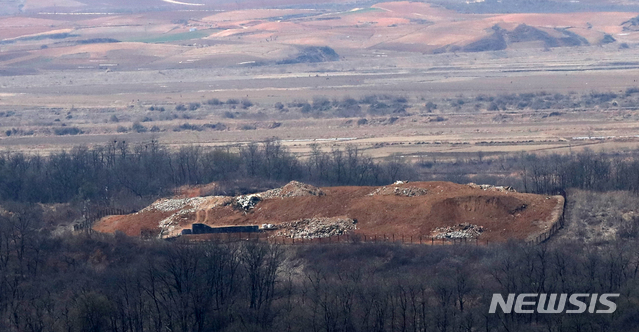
(312, 54)
(292, 189)
(631, 24)
(404, 209)
(501, 39)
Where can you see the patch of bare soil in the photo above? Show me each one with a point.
(502, 215)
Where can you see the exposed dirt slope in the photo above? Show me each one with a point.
(501, 214)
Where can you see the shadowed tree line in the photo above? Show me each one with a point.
(150, 169)
(541, 173)
(117, 172)
(94, 283)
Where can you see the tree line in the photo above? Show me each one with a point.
(541, 173)
(116, 172)
(150, 169)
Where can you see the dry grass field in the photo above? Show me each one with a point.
(75, 72)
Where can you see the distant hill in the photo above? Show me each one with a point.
(500, 39)
(313, 54)
(533, 6)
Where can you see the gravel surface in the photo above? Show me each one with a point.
(461, 231)
(399, 191)
(489, 187)
(314, 228)
(173, 204)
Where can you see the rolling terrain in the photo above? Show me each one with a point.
(85, 72)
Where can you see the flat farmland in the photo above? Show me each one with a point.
(404, 81)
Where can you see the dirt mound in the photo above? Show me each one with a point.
(415, 209)
(292, 189)
(166, 217)
(313, 228)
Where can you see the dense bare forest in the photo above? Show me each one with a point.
(115, 283)
(109, 173)
(117, 170)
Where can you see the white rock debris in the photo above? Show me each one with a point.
(399, 191)
(247, 202)
(489, 187)
(460, 231)
(292, 189)
(313, 228)
(173, 204)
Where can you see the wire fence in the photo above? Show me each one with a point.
(345, 238)
(541, 238)
(90, 218)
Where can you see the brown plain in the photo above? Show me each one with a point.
(384, 49)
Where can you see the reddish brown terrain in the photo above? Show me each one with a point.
(408, 209)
